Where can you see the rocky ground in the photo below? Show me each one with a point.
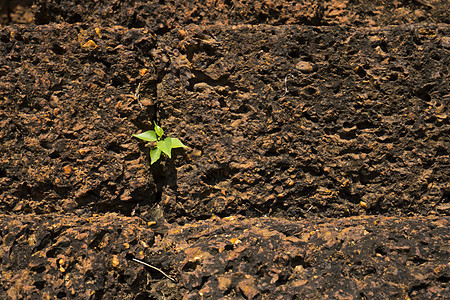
(317, 163)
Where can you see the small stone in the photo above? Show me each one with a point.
(78, 127)
(143, 71)
(201, 87)
(235, 241)
(248, 288)
(125, 196)
(444, 207)
(67, 170)
(446, 42)
(115, 261)
(304, 66)
(90, 45)
(197, 153)
(298, 283)
(97, 31)
(278, 189)
(224, 282)
(182, 34)
(146, 102)
(84, 151)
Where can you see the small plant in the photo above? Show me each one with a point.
(163, 144)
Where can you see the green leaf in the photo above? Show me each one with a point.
(165, 146)
(176, 143)
(159, 131)
(149, 136)
(155, 154)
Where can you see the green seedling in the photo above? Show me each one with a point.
(161, 144)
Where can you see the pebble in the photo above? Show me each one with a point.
(304, 66)
(446, 42)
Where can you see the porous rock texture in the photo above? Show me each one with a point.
(317, 163)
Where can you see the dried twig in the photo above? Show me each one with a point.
(138, 96)
(153, 267)
(286, 91)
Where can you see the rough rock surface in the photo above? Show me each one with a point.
(68, 256)
(353, 258)
(317, 163)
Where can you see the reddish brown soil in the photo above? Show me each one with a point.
(317, 163)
